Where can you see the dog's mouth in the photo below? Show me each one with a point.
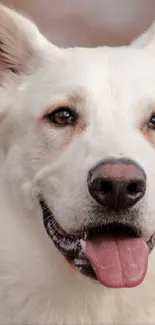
(114, 254)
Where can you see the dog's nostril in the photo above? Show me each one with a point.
(106, 187)
(132, 188)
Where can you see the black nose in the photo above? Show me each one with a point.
(117, 184)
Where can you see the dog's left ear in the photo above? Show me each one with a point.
(146, 39)
(20, 42)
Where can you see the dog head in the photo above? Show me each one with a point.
(77, 130)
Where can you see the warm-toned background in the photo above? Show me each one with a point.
(89, 22)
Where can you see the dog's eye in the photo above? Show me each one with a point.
(152, 122)
(63, 116)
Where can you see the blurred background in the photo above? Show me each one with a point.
(88, 22)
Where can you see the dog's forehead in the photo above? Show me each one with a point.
(103, 64)
(100, 68)
(115, 77)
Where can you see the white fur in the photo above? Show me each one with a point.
(114, 93)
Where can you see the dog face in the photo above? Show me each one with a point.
(78, 131)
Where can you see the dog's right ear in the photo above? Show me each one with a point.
(146, 39)
(22, 46)
(20, 41)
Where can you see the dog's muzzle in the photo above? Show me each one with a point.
(71, 246)
(116, 185)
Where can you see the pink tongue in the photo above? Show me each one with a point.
(118, 262)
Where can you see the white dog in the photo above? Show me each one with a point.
(77, 183)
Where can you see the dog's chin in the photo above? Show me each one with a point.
(71, 246)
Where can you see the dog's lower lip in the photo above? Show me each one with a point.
(151, 242)
(70, 245)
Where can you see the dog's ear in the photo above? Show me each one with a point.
(19, 41)
(21, 47)
(146, 39)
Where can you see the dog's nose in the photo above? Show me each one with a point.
(117, 184)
